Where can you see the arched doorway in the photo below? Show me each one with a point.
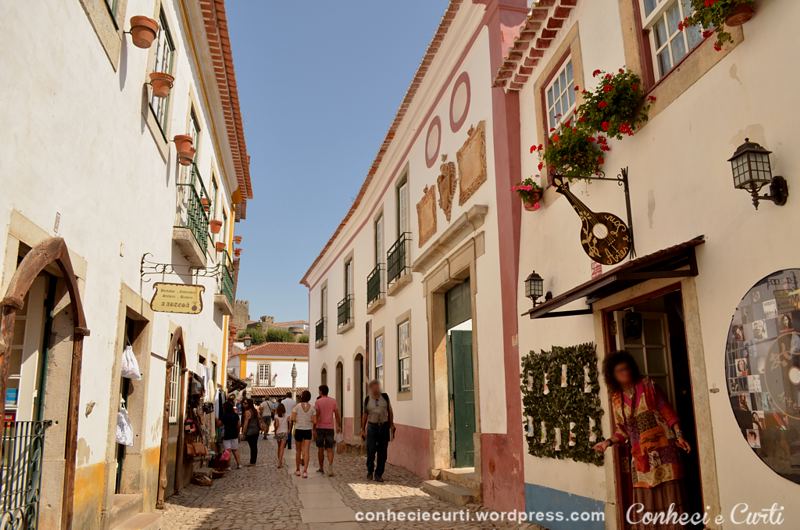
(170, 464)
(358, 393)
(323, 376)
(340, 385)
(52, 251)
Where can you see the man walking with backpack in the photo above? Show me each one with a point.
(377, 427)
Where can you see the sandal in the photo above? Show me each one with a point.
(305, 475)
(297, 473)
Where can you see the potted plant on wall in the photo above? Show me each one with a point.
(205, 202)
(715, 15)
(572, 151)
(143, 31)
(184, 146)
(220, 246)
(530, 192)
(215, 225)
(161, 83)
(237, 239)
(617, 106)
(237, 252)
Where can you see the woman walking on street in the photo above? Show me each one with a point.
(230, 428)
(304, 418)
(251, 427)
(281, 431)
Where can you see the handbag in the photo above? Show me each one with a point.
(130, 366)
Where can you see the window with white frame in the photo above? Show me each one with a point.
(165, 53)
(379, 256)
(174, 388)
(379, 359)
(560, 95)
(402, 208)
(661, 19)
(264, 374)
(404, 356)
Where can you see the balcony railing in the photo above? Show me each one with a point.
(319, 331)
(375, 284)
(397, 258)
(226, 285)
(344, 311)
(190, 211)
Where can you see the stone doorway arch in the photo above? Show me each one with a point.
(176, 350)
(52, 251)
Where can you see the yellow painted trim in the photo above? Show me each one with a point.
(243, 366)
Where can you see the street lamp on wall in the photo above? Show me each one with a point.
(752, 171)
(534, 288)
(248, 340)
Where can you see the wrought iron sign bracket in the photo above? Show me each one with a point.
(622, 180)
(149, 268)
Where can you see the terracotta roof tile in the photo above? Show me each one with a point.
(277, 349)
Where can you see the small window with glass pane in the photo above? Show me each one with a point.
(560, 95)
(165, 53)
(669, 45)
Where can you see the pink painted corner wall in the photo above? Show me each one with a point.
(411, 449)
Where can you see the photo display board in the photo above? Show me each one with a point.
(762, 364)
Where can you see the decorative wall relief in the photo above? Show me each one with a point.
(568, 413)
(426, 215)
(472, 162)
(446, 182)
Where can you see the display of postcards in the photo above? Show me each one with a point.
(759, 329)
(738, 385)
(737, 334)
(787, 299)
(770, 308)
(753, 438)
(754, 383)
(742, 366)
(759, 421)
(744, 402)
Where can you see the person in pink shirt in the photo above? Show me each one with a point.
(328, 424)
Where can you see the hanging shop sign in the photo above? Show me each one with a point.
(177, 298)
(762, 363)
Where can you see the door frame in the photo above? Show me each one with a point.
(175, 345)
(358, 391)
(603, 310)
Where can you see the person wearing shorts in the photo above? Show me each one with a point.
(303, 418)
(281, 431)
(328, 420)
(230, 428)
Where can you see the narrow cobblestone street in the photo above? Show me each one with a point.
(263, 497)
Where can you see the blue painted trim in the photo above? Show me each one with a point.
(543, 499)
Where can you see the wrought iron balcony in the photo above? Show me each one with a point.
(344, 311)
(191, 218)
(224, 299)
(319, 331)
(397, 259)
(375, 285)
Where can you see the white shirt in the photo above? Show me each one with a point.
(283, 423)
(304, 419)
(288, 404)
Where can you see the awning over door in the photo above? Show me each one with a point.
(674, 262)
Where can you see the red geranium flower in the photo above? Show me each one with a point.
(602, 105)
(607, 88)
(596, 73)
(604, 125)
(555, 138)
(533, 148)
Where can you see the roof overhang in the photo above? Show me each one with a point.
(674, 262)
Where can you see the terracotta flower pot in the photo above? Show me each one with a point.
(206, 203)
(237, 252)
(143, 31)
(530, 205)
(161, 83)
(186, 157)
(740, 14)
(220, 246)
(183, 142)
(237, 239)
(215, 225)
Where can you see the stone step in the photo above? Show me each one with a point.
(123, 507)
(448, 492)
(466, 477)
(140, 521)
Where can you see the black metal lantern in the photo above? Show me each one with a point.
(752, 171)
(534, 287)
(248, 340)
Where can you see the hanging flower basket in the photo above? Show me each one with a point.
(713, 16)
(205, 202)
(618, 105)
(237, 239)
(161, 83)
(237, 252)
(215, 225)
(220, 246)
(143, 31)
(572, 152)
(530, 192)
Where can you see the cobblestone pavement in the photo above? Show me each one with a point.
(264, 497)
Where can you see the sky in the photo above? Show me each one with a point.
(319, 84)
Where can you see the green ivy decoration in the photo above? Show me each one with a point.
(545, 400)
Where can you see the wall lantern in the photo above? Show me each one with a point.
(534, 288)
(248, 340)
(752, 171)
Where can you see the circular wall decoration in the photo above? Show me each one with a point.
(762, 369)
(433, 141)
(459, 101)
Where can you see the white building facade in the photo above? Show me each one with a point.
(91, 170)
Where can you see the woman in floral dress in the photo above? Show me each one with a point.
(647, 422)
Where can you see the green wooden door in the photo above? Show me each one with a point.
(462, 397)
(460, 374)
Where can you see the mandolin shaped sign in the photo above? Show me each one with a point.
(604, 236)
